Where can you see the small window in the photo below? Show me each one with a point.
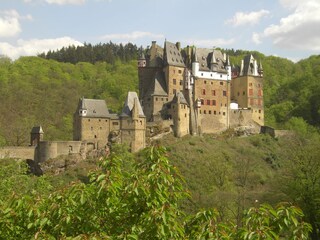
(202, 101)
(95, 136)
(91, 128)
(200, 111)
(174, 81)
(156, 99)
(201, 74)
(214, 102)
(244, 93)
(204, 112)
(238, 94)
(214, 112)
(180, 82)
(250, 84)
(221, 83)
(174, 91)
(88, 120)
(259, 111)
(250, 92)
(224, 113)
(115, 123)
(203, 92)
(208, 102)
(209, 111)
(180, 71)
(224, 93)
(213, 92)
(205, 82)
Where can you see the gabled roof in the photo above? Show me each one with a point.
(172, 54)
(249, 66)
(206, 57)
(129, 104)
(179, 98)
(94, 107)
(158, 85)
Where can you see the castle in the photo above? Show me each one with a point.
(199, 90)
(191, 90)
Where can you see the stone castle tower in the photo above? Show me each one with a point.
(199, 83)
(95, 125)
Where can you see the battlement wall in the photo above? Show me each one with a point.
(17, 152)
(52, 149)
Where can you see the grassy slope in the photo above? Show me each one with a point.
(224, 172)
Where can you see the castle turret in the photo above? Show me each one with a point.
(83, 109)
(213, 63)
(228, 68)
(180, 114)
(142, 62)
(260, 69)
(195, 63)
(36, 135)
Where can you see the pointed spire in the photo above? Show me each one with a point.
(195, 58)
(228, 61)
(260, 69)
(135, 110)
(213, 59)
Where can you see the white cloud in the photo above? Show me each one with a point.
(131, 36)
(256, 38)
(64, 2)
(251, 18)
(34, 46)
(58, 2)
(300, 29)
(209, 43)
(9, 23)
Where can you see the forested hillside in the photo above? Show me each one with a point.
(135, 196)
(36, 90)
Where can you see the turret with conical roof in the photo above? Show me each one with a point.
(142, 62)
(260, 69)
(195, 63)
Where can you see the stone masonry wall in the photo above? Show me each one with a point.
(17, 152)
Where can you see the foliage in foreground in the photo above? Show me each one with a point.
(137, 199)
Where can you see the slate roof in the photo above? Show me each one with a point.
(179, 96)
(129, 103)
(249, 66)
(207, 56)
(94, 107)
(158, 85)
(173, 56)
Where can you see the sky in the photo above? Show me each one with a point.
(284, 28)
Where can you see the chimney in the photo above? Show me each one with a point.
(154, 44)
